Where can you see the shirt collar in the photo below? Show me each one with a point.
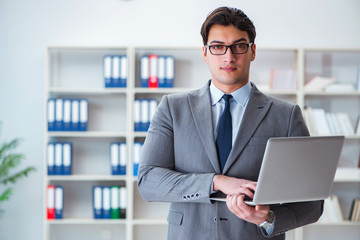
(241, 95)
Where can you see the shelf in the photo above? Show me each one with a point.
(330, 224)
(87, 134)
(150, 222)
(161, 90)
(87, 91)
(87, 178)
(347, 175)
(332, 94)
(77, 221)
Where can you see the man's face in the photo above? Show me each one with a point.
(229, 71)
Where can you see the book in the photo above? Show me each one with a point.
(318, 83)
(283, 78)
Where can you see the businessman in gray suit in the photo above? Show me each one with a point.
(211, 141)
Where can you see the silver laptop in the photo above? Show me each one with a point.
(297, 169)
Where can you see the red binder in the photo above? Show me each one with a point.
(153, 79)
(50, 207)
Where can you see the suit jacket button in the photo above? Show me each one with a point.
(215, 219)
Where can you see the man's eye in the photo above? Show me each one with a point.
(240, 46)
(218, 47)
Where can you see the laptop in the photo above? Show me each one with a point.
(297, 169)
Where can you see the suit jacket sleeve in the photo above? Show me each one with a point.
(158, 178)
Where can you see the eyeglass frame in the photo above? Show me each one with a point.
(249, 45)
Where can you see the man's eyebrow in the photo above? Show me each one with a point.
(236, 41)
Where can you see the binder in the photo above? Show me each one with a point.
(122, 162)
(115, 213)
(51, 114)
(114, 158)
(106, 202)
(59, 114)
(123, 71)
(144, 116)
(75, 111)
(107, 70)
(83, 115)
(50, 207)
(59, 202)
(161, 72)
(115, 78)
(67, 115)
(136, 158)
(152, 108)
(137, 113)
(97, 202)
(58, 159)
(170, 71)
(153, 78)
(67, 158)
(51, 158)
(123, 201)
(144, 71)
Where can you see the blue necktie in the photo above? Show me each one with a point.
(224, 135)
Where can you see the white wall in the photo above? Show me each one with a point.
(27, 27)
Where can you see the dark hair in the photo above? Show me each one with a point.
(226, 16)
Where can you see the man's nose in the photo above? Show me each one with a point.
(229, 56)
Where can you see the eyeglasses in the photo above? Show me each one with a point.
(237, 48)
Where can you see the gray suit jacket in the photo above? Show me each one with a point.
(179, 161)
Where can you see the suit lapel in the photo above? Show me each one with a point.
(200, 105)
(255, 111)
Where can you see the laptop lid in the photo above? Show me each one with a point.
(296, 169)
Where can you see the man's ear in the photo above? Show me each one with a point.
(204, 53)
(253, 52)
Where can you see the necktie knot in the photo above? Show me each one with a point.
(227, 98)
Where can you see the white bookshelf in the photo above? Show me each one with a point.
(76, 71)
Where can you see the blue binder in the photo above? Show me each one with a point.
(67, 115)
(137, 115)
(83, 115)
(144, 115)
(106, 202)
(144, 71)
(107, 70)
(59, 202)
(58, 159)
(136, 157)
(123, 71)
(122, 158)
(114, 158)
(51, 114)
(67, 158)
(59, 113)
(97, 202)
(75, 115)
(51, 158)
(161, 71)
(115, 71)
(170, 71)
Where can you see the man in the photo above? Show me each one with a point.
(202, 143)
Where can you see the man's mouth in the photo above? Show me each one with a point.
(228, 69)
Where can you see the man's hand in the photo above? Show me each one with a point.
(234, 186)
(255, 215)
(236, 189)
